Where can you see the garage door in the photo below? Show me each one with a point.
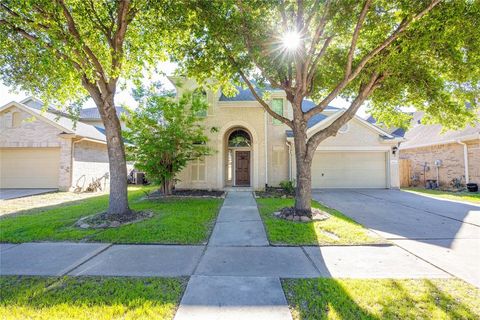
(29, 167)
(349, 170)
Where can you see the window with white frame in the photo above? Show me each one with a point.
(198, 169)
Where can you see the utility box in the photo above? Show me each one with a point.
(138, 177)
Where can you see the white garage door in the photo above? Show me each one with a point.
(29, 167)
(349, 170)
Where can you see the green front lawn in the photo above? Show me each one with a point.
(181, 221)
(473, 197)
(89, 298)
(336, 230)
(381, 299)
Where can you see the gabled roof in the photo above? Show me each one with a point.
(93, 114)
(64, 124)
(244, 94)
(431, 134)
(395, 131)
(324, 120)
(85, 114)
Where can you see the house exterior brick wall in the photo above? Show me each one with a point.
(452, 157)
(474, 160)
(89, 162)
(34, 133)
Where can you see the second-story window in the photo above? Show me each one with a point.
(277, 107)
(200, 93)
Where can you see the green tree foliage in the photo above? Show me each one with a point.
(67, 50)
(389, 54)
(165, 134)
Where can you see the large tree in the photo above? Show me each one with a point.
(421, 53)
(66, 50)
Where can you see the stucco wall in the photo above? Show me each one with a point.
(452, 157)
(90, 162)
(35, 133)
(251, 116)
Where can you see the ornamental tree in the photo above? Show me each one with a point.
(387, 53)
(67, 50)
(165, 134)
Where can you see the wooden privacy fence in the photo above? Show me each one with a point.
(405, 174)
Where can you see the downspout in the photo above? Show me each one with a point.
(266, 148)
(289, 146)
(465, 159)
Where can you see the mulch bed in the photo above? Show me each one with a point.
(273, 193)
(290, 214)
(103, 221)
(188, 193)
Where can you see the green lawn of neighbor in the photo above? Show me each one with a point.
(89, 298)
(175, 220)
(336, 299)
(336, 230)
(473, 197)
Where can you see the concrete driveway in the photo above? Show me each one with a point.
(442, 232)
(7, 193)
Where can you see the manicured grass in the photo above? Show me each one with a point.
(473, 197)
(89, 298)
(381, 299)
(182, 221)
(337, 230)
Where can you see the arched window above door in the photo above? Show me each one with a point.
(239, 138)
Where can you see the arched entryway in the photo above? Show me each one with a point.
(238, 157)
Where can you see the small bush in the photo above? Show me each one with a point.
(288, 186)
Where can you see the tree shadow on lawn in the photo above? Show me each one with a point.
(336, 230)
(174, 221)
(326, 298)
(84, 297)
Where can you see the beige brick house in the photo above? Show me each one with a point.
(254, 150)
(456, 152)
(48, 150)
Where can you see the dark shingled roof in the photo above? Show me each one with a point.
(307, 105)
(244, 94)
(93, 114)
(394, 131)
(85, 114)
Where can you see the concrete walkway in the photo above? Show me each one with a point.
(236, 276)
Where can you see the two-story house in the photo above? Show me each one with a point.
(252, 149)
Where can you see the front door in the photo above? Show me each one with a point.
(242, 168)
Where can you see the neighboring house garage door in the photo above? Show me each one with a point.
(29, 167)
(349, 170)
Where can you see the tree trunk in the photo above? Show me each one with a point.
(118, 201)
(167, 187)
(303, 191)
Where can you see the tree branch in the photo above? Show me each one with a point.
(76, 34)
(352, 75)
(364, 91)
(356, 33)
(262, 102)
(248, 43)
(35, 39)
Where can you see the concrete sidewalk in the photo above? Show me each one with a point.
(236, 276)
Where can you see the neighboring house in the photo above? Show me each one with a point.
(457, 150)
(252, 149)
(47, 149)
